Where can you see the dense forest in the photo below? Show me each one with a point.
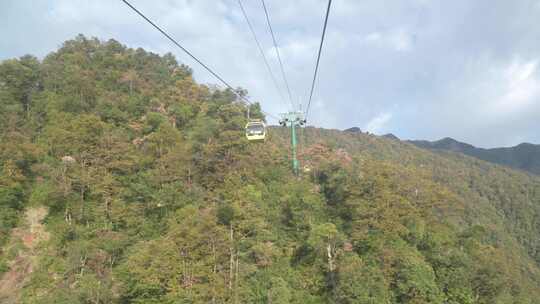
(151, 194)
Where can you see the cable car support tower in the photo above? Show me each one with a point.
(293, 120)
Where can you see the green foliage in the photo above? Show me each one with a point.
(155, 196)
(3, 266)
(415, 280)
(361, 283)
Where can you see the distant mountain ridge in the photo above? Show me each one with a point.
(353, 130)
(391, 136)
(524, 156)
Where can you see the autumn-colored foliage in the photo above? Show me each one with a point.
(155, 196)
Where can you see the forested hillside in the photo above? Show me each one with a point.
(524, 156)
(153, 195)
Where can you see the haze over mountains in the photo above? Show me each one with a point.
(525, 156)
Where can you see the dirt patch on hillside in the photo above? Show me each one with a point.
(31, 233)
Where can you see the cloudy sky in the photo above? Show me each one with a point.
(421, 69)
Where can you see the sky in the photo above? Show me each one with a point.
(420, 69)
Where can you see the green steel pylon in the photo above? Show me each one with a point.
(293, 120)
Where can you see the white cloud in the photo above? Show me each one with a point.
(448, 66)
(522, 87)
(374, 37)
(397, 39)
(378, 123)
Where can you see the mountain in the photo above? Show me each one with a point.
(123, 180)
(524, 156)
(391, 136)
(353, 130)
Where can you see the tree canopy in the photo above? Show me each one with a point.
(155, 196)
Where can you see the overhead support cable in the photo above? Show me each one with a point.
(318, 58)
(261, 50)
(206, 67)
(277, 53)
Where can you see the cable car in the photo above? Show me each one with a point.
(255, 130)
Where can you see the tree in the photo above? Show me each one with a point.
(360, 283)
